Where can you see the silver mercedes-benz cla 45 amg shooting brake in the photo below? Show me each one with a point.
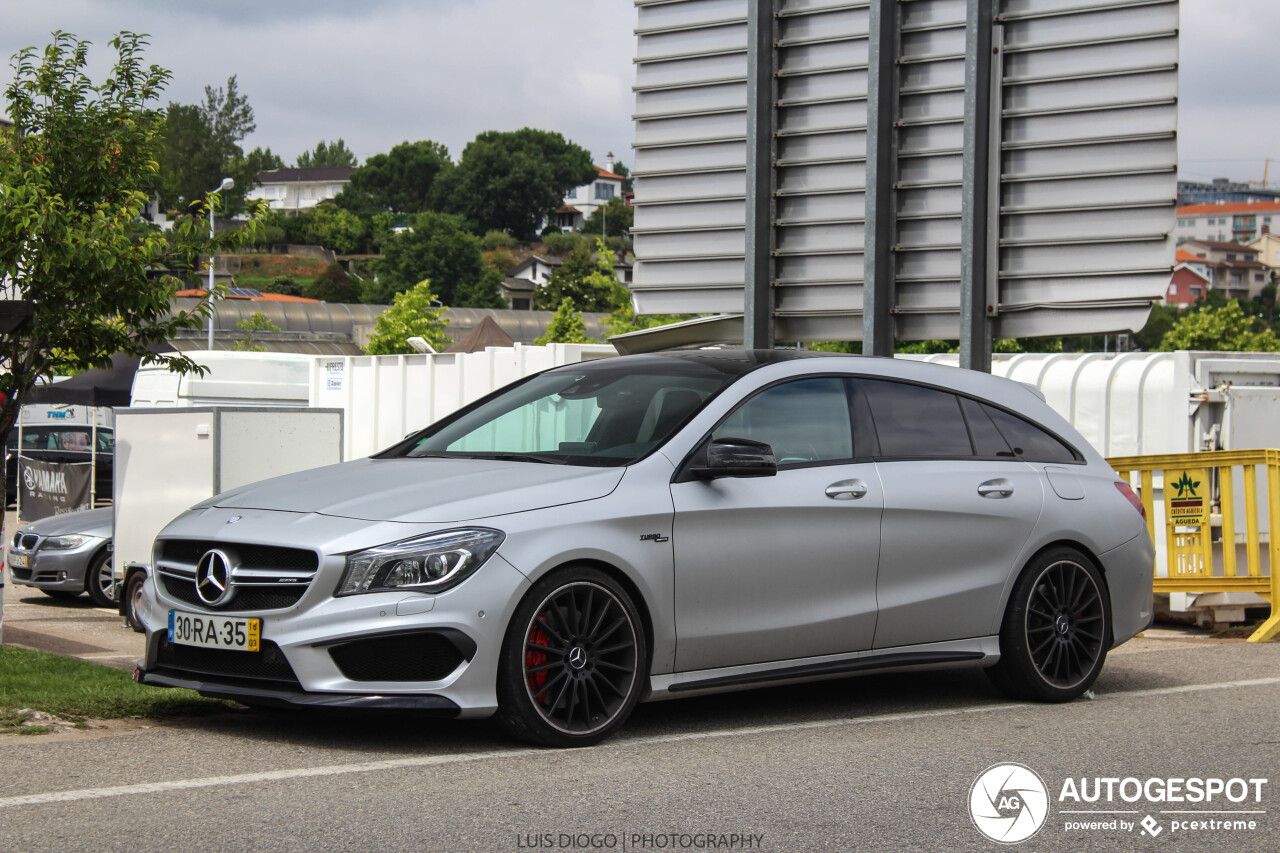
(647, 527)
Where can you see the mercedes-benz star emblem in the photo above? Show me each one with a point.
(577, 657)
(213, 578)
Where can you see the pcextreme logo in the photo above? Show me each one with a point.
(1009, 803)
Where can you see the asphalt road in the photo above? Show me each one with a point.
(877, 763)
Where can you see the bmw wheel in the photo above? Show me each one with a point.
(1056, 630)
(98, 581)
(573, 661)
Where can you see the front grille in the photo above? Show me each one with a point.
(426, 656)
(28, 541)
(20, 574)
(266, 577)
(246, 598)
(264, 668)
(251, 556)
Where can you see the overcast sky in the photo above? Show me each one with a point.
(379, 72)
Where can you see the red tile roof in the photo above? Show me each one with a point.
(264, 297)
(1233, 207)
(605, 174)
(1184, 256)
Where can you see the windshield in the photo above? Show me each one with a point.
(585, 417)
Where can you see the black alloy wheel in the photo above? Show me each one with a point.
(573, 661)
(1065, 624)
(1056, 631)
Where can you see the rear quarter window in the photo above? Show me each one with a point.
(1030, 442)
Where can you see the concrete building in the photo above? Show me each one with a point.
(1230, 267)
(1223, 222)
(581, 202)
(292, 190)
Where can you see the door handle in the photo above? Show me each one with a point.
(847, 490)
(1000, 488)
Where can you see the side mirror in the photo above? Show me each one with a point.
(736, 457)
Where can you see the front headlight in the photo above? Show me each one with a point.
(430, 563)
(64, 543)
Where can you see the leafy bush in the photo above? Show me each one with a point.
(498, 240)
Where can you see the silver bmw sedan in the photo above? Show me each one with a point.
(648, 527)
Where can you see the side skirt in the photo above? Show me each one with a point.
(980, 651)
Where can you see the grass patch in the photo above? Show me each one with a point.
(75, 690)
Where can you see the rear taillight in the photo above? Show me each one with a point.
(1132, 497)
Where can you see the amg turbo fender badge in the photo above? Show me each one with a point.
(654, 537)
(213, 578)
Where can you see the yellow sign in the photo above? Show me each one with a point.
(1186, 495)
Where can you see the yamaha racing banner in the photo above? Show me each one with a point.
(51, 488)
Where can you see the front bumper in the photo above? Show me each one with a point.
(301, 664)
(259, 696)
(54, 570)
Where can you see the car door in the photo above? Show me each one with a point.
(958, 508)
(782, 567)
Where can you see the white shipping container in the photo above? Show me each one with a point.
(168, 460)
(385, 397)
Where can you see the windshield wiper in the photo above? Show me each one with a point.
(521, 457)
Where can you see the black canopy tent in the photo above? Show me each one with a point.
(109, 386)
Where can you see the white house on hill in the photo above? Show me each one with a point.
(292, 190)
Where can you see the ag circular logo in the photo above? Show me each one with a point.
(1008, 803)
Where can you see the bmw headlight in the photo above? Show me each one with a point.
(64, 543)
(430, 563)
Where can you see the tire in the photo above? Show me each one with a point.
(98, 581)
(133, 600)
(61, 594)
(1056, 631)
(573, 662)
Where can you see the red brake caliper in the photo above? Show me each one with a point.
(536, 657)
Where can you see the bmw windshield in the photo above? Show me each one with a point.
(574, 415)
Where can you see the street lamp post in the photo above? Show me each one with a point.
(226, 185)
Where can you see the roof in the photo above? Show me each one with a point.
(530, 261)
(1232, 207)
(253, 297)
(1187, 257)
(487, 333)
(604, 173)
(567, 208)
(1222, 245)
(299, 176)
(522, 284)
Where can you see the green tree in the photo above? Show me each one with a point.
(625, 319)
(1161, 319)
(334, 285)
(589, 282)
(512, 180)
(400, 181)
(257, 322)
(1223, 329)
(327, 155)
(202, 146)
(75, 175)
(566, 327)
(282, 284)
(437, 247)
(414, 313)
(335, 228)
(613, 218)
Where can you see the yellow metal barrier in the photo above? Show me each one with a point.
(1189, 497)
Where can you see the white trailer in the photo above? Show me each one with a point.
(167, 460)
(231, 379)
(385, 397)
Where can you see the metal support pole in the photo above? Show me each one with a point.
(757, 320)
(211, 236)
(980, 203)
(882, 110)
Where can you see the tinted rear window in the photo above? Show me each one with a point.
(916, 422)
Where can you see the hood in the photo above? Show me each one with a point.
(91, 522)
(425, 491)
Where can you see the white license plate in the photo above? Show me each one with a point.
(18, 561)
(214, 632)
